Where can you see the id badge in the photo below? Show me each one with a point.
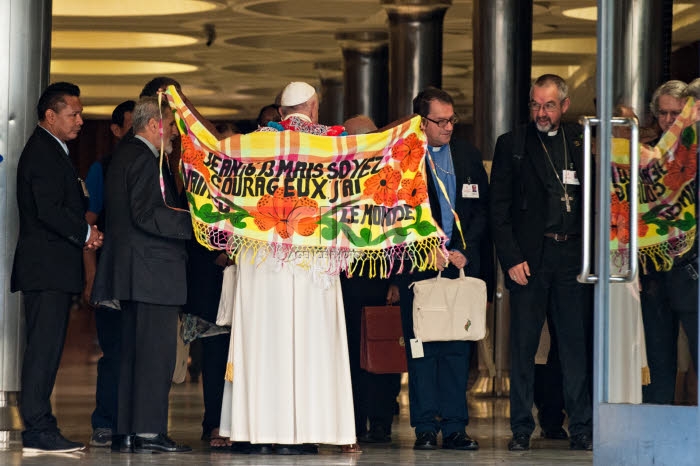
(570, 177)
(83, 186)
(470, 191)
(416, 348)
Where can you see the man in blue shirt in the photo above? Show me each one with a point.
(438, 378)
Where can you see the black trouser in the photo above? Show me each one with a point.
(149, 333)
(46, 321)
(571, 316)
(549, 393)
(374, 395)
(437, 382)
(108, 323)
(667, 299)
(214, 357)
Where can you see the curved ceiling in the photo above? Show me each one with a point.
(111, 49)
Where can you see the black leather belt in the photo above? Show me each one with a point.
(561, 237)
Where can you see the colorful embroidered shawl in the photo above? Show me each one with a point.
(667, 195)
(355, 203)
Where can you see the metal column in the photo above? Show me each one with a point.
(24, 73)
(330, 109)
(639, 53)
(415, 50)
(366, 73)
(502, 37)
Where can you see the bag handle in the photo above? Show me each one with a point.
(439, 276)
(461, 273)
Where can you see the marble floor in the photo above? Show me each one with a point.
(73, 401)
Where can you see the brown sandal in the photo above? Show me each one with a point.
(217, 442)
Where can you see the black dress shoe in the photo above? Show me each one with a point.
(123, 443)
(49, 442)
(242, 448)
(425, 441)
(555, 434)
(161, 443)
(376, 434)
(261, 449)
(459, 441)
(519, 442)
(581, 442)
(303, 449)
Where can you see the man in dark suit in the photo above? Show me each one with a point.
(438, 380)
(536, 225)
(142, 268)
(48, 260)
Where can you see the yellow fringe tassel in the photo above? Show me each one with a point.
(646, 375)
(229, 372)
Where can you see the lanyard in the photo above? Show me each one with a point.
(447, 197)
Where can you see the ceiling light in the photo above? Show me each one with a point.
(590, 13)
(116, 40)
(210, 112)
(565, 71)
(577, 45)
(127, 91)
(117, 67)
(129, 7)
(105, 111)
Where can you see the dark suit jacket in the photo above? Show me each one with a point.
(144, 256)
(519, 196)
(473, 213)
(52, 226)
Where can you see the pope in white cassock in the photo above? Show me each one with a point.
(288, 353)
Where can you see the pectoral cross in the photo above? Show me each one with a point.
(566, 198)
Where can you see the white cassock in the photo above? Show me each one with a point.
(289, 355)
(628, 355)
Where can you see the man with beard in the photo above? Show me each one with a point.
(142, 268)
(536, 226)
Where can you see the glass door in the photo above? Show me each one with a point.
(625, 432)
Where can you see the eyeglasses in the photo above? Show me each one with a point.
(665, 114)
(549, 107)
(454, 119)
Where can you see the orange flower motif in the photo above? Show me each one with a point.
(619, 220)
(414, 191)
(382, 186)
(194, 157)
(642, 227)
(409, 152)
(683, 167)
(287, 214)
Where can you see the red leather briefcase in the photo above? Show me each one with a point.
(381, 342)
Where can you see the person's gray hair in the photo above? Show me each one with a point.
(551, 79)
(674, 88)
(147, 108)
(693, 89)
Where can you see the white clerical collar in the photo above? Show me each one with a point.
(435, 149)
(553, 132)
(301, 116)
(63, 144)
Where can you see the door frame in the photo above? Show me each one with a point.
(625, 434)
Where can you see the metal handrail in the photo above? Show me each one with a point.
(586, 276)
